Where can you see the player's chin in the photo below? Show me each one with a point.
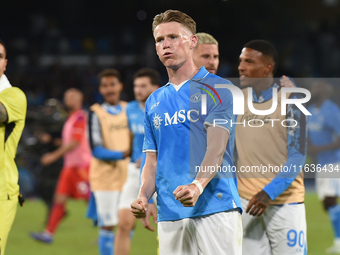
(141, 98)
(170, 63)
(244, 83)
(110, 99)
(211, 70)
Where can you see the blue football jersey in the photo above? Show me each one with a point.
(324, 128)
(175, 128)
(136, 124)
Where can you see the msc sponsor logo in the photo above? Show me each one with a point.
(177, 118)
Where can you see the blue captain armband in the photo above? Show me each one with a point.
(102, 153)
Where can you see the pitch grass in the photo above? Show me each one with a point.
(77, 236)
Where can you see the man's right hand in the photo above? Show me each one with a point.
(139, 207)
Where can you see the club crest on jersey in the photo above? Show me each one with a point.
(157, 121)
(196, 98)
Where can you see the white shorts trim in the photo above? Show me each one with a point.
(131, 187)
(216, 234)
(107, 207)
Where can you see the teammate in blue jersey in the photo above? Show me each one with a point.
(197, 213)
(275, 198)
(109, 138)
(324, 145)
(145, 82)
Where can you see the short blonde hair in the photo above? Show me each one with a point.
(205, 38)
(174, 16)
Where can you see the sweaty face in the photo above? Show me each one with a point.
(110, 87)
(142, 88)
(3, 60)
(253, 65)
(174, 44)
(207, 55)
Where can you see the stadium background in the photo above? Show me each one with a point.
(57, 44)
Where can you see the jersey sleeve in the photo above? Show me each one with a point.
(220, 113)
(78, 128)
(14, 100)
(297, 152)
(149, 144)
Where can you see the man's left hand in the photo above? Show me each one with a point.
(286, 82)
(187, 194)
(258, 204)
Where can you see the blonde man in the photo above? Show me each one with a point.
(197, 213)
(206, 52)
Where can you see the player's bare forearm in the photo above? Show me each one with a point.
(65, 148)
(50, 158)
(217, 140)
(139, 207)
(3, 113)
(148, 178)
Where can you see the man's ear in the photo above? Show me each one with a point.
(121, 86)
(269, 68)
(193, 41)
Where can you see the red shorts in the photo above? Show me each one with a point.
(74, 182)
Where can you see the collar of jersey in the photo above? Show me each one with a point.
(265, 94)
(112, 109)
(202, 73)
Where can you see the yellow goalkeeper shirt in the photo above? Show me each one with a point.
(15, 103)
